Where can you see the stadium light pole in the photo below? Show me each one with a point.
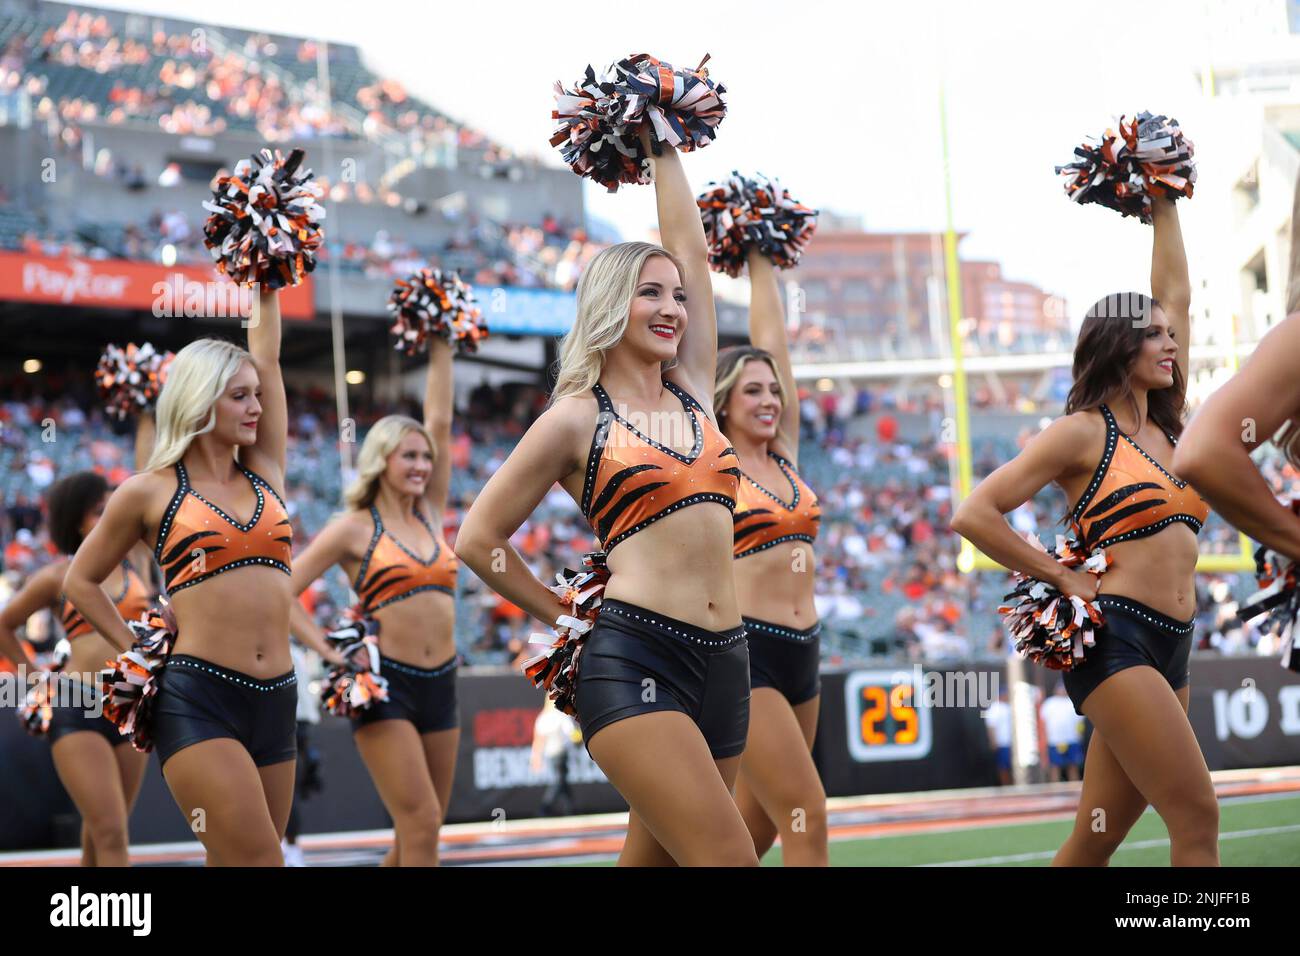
(1020, 693)
(966, 557)
(336, 306)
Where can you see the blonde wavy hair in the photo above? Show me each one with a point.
(196, 378)
(731, 363)
(605, 293)
(382, 439)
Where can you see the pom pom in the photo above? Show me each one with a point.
(741, 213)
(1048, 627)
(1278, 598)
(601, 118)
(435, 303)
(265, 222)
(130, 684)
(1149, 156)
(555, 670)
(130, 379)
(353, 686)
(37, 709)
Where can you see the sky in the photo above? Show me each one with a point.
(840, 101)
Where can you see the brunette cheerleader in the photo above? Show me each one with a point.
(389, 542)
(100, 774)
(210, 505)
(776, 522)
(662, 691)
(1111, 453)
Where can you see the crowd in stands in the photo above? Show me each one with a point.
(484, 253)
(888, 586)
(207, 80)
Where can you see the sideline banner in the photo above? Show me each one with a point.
(180, 291)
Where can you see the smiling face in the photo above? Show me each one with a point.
(657, 315)
(1153, 367)
(239, 408)
(753, 408)
(410, 465)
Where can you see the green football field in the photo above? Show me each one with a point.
(1253, 831)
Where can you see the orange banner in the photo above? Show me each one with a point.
(183, 291)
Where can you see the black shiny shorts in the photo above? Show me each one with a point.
(424, 696)
(71, 718)
(197, 701)
(785, 659)
(1134, 635)
(638, 662)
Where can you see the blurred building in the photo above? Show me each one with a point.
(888, 290)
(1252, 80)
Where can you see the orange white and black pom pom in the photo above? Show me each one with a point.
(130, 684)
(1047, 626)
(131, 378)
(555, 670)
(601, 117)
(37, 709)
(742, 213)
(1148, 157)
(265, 222)
(1278, 598)
(435, 303)
(353, 686)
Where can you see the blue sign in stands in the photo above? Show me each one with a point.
(513, 310)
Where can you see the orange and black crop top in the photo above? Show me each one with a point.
(1131, 496)
(131, 603)
(763, 519)
(197, 540)
(633, 481)
(391, 571)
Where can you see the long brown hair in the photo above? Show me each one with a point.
(1109, 342)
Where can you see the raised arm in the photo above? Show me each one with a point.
(1213, 452)
(40, 591)
(767, 331)
(120, 528)
(439, 400)
(1054, 452)
(682, 234)
(546, 454)
(1169, 280)
(269, 452)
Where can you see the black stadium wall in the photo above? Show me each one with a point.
(882, 730)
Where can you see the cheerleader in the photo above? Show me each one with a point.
(662, 692)
(389, 542)
(101, 775)
(776, 521)
(1112, 455)
(210, 505)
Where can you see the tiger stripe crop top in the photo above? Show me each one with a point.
(131, 603)
(391, 571)
(1131, 495)
(197, 540)
(763, 519)
(633, 481)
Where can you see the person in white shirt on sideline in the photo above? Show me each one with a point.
(554, 733)
(1063, 729)
(308, 715)
(998, 716)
